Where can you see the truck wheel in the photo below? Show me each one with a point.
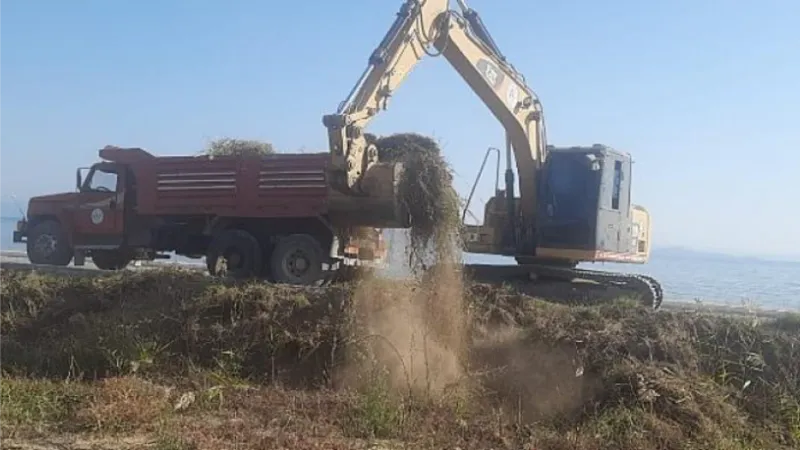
(110, 259)
(235, 253)
(47, 244)
(297, 259)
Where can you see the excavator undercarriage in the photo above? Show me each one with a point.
(575, 285)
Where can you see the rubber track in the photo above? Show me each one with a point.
(648, 286)
(645, 285)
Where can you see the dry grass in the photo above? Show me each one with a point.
(180, 361)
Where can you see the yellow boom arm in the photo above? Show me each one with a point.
(430, 27)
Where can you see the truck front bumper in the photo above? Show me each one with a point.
(19, 236)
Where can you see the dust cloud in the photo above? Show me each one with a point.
(417, 334)
(414, 334)
(415, 330)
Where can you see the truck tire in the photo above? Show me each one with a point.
(240, 252)
(297, 259)
(47, 244)
(110, 259)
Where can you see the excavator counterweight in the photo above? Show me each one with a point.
(574, 203)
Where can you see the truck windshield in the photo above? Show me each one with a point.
(102, 180)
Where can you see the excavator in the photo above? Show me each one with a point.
(574, 203)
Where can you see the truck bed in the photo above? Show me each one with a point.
(281, 185)
(288, 185)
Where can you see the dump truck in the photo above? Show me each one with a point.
(274, 217)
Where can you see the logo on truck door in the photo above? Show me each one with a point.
(97, 216)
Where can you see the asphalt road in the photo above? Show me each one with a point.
(19, 261)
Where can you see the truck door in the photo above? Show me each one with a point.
(98, 218)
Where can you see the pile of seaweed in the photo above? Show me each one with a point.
(427, 193)
(537, 374)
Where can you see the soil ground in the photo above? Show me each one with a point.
(174, 360)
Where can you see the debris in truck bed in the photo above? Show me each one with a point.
(238, 147)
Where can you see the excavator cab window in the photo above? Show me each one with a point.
(568, 183)
(568, 199)
(615, 192)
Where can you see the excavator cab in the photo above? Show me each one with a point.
(583, 213)
(584, 210)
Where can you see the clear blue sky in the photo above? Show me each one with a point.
(703, 94)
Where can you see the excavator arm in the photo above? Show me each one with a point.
(429, 27)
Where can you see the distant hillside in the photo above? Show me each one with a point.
(683, 253)
(687, 252)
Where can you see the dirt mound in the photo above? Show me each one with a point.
(535, 374)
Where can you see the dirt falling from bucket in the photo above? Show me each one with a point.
(416, 331)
